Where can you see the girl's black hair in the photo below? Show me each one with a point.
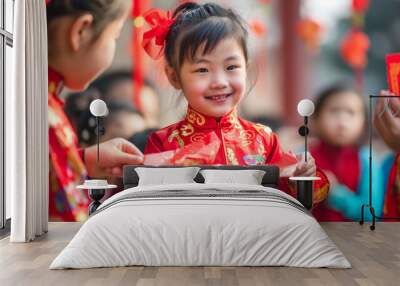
(331, 91)
(201, 24)
(103, 11)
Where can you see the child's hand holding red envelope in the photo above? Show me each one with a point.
(388, 123)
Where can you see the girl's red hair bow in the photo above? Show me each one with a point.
(154, 39)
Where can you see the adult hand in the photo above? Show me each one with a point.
(114, 154)
(305, 169)
(386, 123)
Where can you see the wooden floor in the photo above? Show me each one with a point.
(374, 255)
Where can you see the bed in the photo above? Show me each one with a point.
(201, 224)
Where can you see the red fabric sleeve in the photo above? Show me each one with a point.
(321, 187)
(81, 152)
(154, 145)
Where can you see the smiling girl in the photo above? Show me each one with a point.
(207, 59)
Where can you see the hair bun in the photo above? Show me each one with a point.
(187, 6)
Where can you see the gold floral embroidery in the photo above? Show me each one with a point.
(52, 88)
(76, 162)
(231, 157)
(60, 132)
(187, 129)
(197, 137)
(194, 117)
(246, 137)
(175, 135)
(53, 119)
(61, 128)
(260, 128)
(69, 135)
(261, 147)
(321, 193)
(233, 119)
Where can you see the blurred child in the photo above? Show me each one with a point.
(118, 86)
(207, 58)
(340, 124)
(77, 103)
(81, 42)
(123, 121)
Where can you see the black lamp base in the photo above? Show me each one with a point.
(305, 190)
(305, 193)
(96, 195)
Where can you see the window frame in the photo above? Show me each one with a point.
(6, 39)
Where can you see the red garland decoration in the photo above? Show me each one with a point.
(137, 56)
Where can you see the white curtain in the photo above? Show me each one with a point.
(26, 124)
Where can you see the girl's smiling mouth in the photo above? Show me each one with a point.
(219, 97)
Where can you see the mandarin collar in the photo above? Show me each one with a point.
(56, 84)
(200, 120)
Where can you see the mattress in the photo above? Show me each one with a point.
(201, 225)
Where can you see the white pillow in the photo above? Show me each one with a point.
(163, 176)
(248, 177)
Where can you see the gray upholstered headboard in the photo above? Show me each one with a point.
(270, 178)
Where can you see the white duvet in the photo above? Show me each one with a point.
(245, 225)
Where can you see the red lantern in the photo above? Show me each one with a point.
(257, 27)
(360, 6)
(310, 33)
(354, 48)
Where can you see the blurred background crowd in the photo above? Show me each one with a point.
(298, 48)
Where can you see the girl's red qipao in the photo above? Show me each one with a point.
(242, 143)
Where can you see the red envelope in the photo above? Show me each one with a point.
(287, 164)
(202, 152)
(393, 72)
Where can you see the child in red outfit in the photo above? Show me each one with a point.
(81, 40)
(207, 58)
(340, 120)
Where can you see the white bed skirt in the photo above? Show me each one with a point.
(200, 231)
